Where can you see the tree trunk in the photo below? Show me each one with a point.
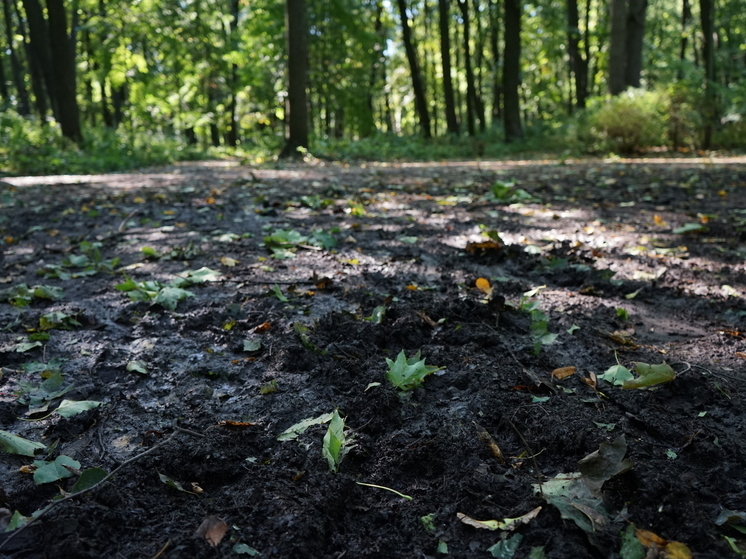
(578, 65)
(686, 16)
(707, 9)
(420, 99)
(512, 71)
(445, 60)
(63, 58)
(296, 26)
(368, 127)
(635, 35)
(494, 42)
(42, 52)
(15, 65)
(479, 63)
(617, 47)
(470, 91)
(232, 138)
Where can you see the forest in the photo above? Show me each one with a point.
(366, 78)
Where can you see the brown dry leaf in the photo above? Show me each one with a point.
(412, 287)
(238, 425)
(228, 261)
(677, 550)
(741, 354)
(484, 247)
(484, 286)
(321, 282)
(591, 380)
(263, 327)
(659, 221)
(669, 549)
(213, 529)
(509, 524)
(563, 372)
(623, 337)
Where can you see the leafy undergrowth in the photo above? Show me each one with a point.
(393, 361)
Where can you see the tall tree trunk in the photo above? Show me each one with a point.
(617, 47)
(635, 35)
(445, 60)
(232, 138)
(420, 99)
(512, 71)
(63, 58)
(494, 42)
(296, 27)
(578, 65)
(42, 52)
(479, 64)
(686, 16)
(369, 125)
(470, 90)
(707, 15)
(23, 107)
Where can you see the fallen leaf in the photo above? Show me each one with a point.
(228, 261)
(412, 287)
(484, 286)
(741, 354)
(563, 372)
(213, 529)
(237, 425)
(263, 327)
(659, 221)
(509, 524)
(650, 375)
(485, 247)
(603, 464)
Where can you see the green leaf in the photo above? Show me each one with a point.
(603, 464)
(537, 553)
(49, 472)
(68, 408)
(377, 315)
(284, 238)
(137, 367)
(406, 374)
(57, 319)
(428, 522)
(243, 549)
(505, 549)
(17, 521)
(173, 483)
(296, 429)
(47, 292)
(650, 375)
(631, 546)
(617, 375)
(442, 547)
(690, 228)
(88, 478)
(23, 347)
(252, 346)
(278, 293)
(150, 252)
(335, 444)
(169, 297)
(202, 275)
(17, 445)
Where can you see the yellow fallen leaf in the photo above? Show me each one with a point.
(137, 200)
(412, 287)
(563, 372)
(505, 524)
(228, 261)
(484, 286)
(677, 550)
(659, 221)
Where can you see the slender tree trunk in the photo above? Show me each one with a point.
(707, 15)
(22, 107)
(369, 126)
(232, 138)
(635, 35)
(578, 65)
(470, 91)
(686, 17)
(512, 71)
(617, 47)
(63, 58)
(296, 27)
(494, 42)
(42, 52)
(445, 60)
(479, 63)
(420, 99)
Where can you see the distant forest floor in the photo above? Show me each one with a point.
(201, 310)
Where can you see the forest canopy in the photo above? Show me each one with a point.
(154, 79)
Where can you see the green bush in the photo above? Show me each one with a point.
(626, 123)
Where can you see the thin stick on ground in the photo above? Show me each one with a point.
(531, 452)
(43, 512)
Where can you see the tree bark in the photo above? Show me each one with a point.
(686, 16)
(634, 41)
(63, 58)
(445, 60)
(232, 137)
(471, 93)
(512, 71)
(42, 52)
(296, 26)
(707, 15)
(494, 42)
(578, 64)
(617, 47)
(420, 99)
(15, 64)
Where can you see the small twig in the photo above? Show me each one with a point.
(407, 497)
(531, 452)
(43, 512)
(162, 550)
(126, 219)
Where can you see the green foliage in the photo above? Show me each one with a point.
(336, 442)
(22, 295)
(540, 333)
(18, 445)
(49, 472)
(168, 296)
(88, 263)
(408, 373)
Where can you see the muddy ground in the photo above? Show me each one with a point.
(266, 342)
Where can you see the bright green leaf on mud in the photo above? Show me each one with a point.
(690, 228)
(68, 408)
(732, 542)
(428, 522)
(650, 375)
(572, 329)
(295, 430)
(14, 444)
(278, 293)
(252, 346)
(617, 375)
(88, 478)
(57, 319)
(16, 521)
(202, 275)
(49, 472)
(150, 252)
(336, 443)
(537, 553)
(173, 483)
(21, 295)
(631, 546)
(505, 549)
(169, 297)
(406, 374)
(442, 547)
(377, 315)
(23, 347)
(137, 367)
